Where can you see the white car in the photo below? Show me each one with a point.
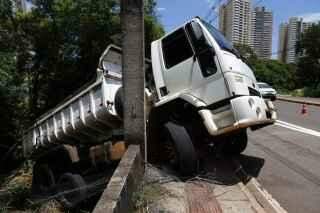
(267, 91)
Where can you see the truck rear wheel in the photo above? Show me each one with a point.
(72, 190)
(179, 149)
(118, 102)
(235, 144)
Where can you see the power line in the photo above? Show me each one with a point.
(217, 15)
(212, 9)
(209, 12)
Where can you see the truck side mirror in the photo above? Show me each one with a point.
(198, 39)
(197, 31)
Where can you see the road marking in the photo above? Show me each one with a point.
(297, 128)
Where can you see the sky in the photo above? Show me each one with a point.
(173, 13)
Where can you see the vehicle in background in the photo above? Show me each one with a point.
(267, 91)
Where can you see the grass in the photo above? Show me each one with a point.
(147, 195)
(16, 189)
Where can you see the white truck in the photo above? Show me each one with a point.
(199, 91)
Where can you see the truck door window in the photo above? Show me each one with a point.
(205, 53)
(176, 48)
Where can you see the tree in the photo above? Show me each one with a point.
(281, 76)
(308, 47)
(247, 52)
(65, 39)
(52, 51)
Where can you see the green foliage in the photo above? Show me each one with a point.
(247, 52)
(153, 31)
(11, 96)
(308, 69)
(5, 9)
(279, 75)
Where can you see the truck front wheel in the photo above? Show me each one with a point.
(236, 143)
(179, 149)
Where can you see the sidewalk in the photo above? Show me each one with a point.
(216, 189)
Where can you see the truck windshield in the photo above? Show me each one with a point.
(221, 40)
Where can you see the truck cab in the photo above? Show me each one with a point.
(196, 64)
(205, 94)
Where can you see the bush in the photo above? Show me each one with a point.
(312, 92)
(281, 76)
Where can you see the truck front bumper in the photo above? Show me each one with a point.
(243, 112)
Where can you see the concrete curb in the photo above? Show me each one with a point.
(257, 195)
(118, 195)
(292, 100)
(263, 197)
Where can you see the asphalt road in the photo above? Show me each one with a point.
(285, 158)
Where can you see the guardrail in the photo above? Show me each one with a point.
(295, 100)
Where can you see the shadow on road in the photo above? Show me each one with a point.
(251, 165)
(229, 171)
(221, 170)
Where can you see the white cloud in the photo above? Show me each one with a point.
(311, 17)
(161, 9)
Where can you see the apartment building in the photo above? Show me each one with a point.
(289, 34)
(240, 24)
(283, 42)
(235, 21)
(261, 32)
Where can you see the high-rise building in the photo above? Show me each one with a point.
(261, 32)
(283, 42)
(235, 21)
(296, 27)
(293, 36)
(289, 34)
(241, 25)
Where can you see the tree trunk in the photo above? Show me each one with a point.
(133, 70)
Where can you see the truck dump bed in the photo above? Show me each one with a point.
(87, 117)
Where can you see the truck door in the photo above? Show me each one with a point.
(208, 82)
(178, 62)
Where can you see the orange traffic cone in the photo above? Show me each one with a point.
(304, 109)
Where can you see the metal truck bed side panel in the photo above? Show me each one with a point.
(84, 118)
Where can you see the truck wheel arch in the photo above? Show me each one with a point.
(196, 102)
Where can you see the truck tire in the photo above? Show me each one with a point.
(118, 102)
(43, 180)
(72, 190)
(185, 157)
(153, 126)
(236, 143)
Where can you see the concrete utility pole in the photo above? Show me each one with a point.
(132, 12)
